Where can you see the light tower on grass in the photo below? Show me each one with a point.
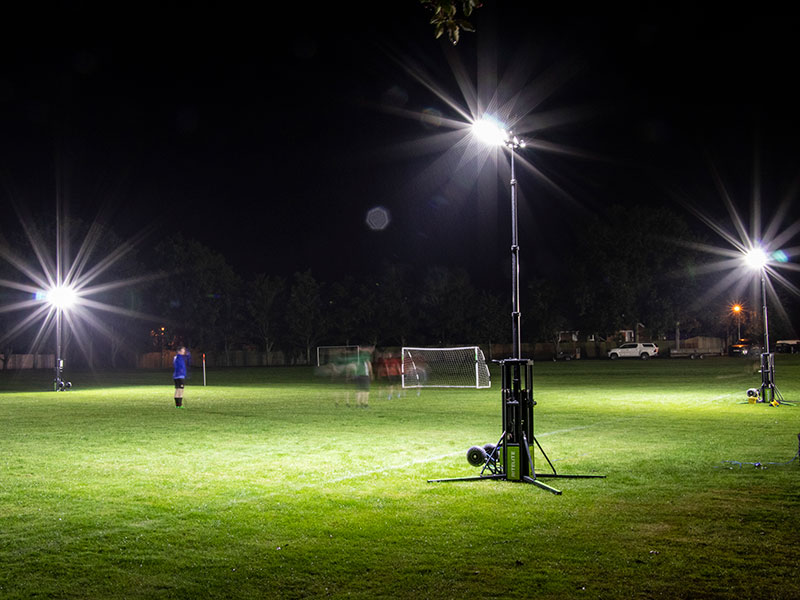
(511, 458)
(757, 260)
(516, 373)
(61, 297)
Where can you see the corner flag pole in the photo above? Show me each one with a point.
(204, 369)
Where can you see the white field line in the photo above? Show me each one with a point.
(430, 459)
(392, 468)
(727, 396)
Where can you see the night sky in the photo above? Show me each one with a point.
(269, 135)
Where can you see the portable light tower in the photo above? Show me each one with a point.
(756, 258)
(61, 297)
(511, 458)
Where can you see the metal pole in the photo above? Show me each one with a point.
(515, 308)
(764, 305)
(57, 382)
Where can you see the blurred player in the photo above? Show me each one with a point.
(363, 376)
(389, 371)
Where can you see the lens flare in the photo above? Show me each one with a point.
(780, 256)
(75, 287)
(378, 218)
(752, 250)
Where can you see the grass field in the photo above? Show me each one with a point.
(269, 486)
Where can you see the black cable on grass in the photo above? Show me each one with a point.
(763, 465)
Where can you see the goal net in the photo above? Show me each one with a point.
(463, 367)
(335, 360)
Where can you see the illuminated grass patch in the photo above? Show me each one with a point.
(270, 485)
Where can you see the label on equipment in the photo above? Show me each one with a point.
(512, 461)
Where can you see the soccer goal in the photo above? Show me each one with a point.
(335, 360)
(462, 367)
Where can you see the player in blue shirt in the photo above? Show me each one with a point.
(181, 364)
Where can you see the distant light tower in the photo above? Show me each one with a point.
(756, 259)
(61, 297)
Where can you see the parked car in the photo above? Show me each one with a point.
(743, 347)
(634, 350)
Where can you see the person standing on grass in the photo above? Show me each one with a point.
(181, 367)
(363, 376)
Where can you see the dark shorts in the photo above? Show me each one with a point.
(178, 383)
(362, 382)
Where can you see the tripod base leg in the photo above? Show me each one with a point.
(474, 478)
(560, 476)
(539, 484)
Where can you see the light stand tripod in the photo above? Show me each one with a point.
(511, 457)
(59, 299)
(768, 386)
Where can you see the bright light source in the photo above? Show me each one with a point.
(756, 258)
(61, 296)
(489, 132)
(737, 308)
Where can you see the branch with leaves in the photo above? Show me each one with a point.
(446, 17)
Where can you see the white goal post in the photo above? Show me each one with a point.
(461, 367)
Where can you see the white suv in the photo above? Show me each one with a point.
(632, 350)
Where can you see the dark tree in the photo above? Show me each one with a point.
(304, 319)
(394, 301)
(546, 307)
(632, 266)
(493, 319)
(448, 305)
(341, 313)
(232, 323)
(197, 294)
(264, 309)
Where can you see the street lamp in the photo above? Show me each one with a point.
(736, 309)
(756, 259)
(61, 297)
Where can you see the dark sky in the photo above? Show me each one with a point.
(268, 135)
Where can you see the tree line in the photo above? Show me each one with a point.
(625, 268)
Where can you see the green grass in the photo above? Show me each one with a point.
(269, 486)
